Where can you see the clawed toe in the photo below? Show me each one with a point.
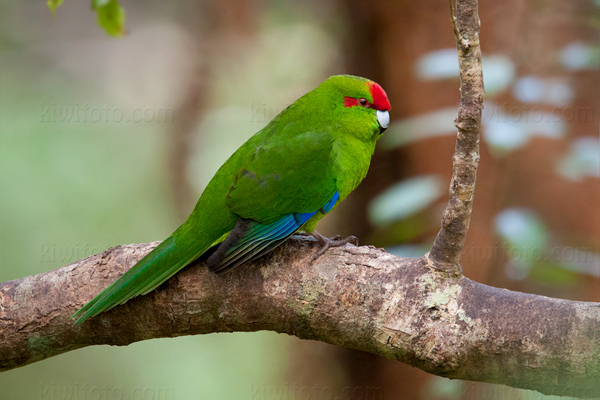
(352, 239)
(326, 243)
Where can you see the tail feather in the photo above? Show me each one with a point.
(152, 270)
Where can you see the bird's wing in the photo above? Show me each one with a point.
(282, 175)
(282, 184)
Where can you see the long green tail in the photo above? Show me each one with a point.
(156, 267)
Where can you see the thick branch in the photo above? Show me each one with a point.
(357, 297)
(445, 254)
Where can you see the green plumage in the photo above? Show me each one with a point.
(316, 149)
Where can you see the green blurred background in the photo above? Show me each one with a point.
(109, 141)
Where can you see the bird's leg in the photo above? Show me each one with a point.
(326, 243)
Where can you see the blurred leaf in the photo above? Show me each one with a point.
(503, 133)
(580, 260)
(408, 250)
(438, 64)
(516, 272)
(578, 56)
(582, 160)
(521, 227)
(111, 16)
(436, 123)
(525, 236)
(53, 5)
(498, 73)
(529, 89)
(505, 130)
(498, 70)
(559, 93)
(405, 198)
(407, 230)
(552, 274)
(533, 89)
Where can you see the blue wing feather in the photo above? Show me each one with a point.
(329, 205)
(250, 239)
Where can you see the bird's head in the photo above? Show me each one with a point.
(360, 99)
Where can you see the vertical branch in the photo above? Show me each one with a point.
(445, 253)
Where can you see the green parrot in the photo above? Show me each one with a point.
(285, 178)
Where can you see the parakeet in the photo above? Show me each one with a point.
(285, 178)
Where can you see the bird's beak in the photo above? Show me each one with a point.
(384, 119)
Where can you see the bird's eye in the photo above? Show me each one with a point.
(363, 102)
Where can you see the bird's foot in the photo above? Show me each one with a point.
(326, 243)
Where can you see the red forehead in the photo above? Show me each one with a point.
(380, 99)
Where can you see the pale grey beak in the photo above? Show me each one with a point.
(384, 119)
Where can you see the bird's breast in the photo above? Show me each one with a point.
(351, 160)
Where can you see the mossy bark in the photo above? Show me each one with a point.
(356, 297)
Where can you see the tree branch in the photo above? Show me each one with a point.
(445, 253)
(357, 297)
